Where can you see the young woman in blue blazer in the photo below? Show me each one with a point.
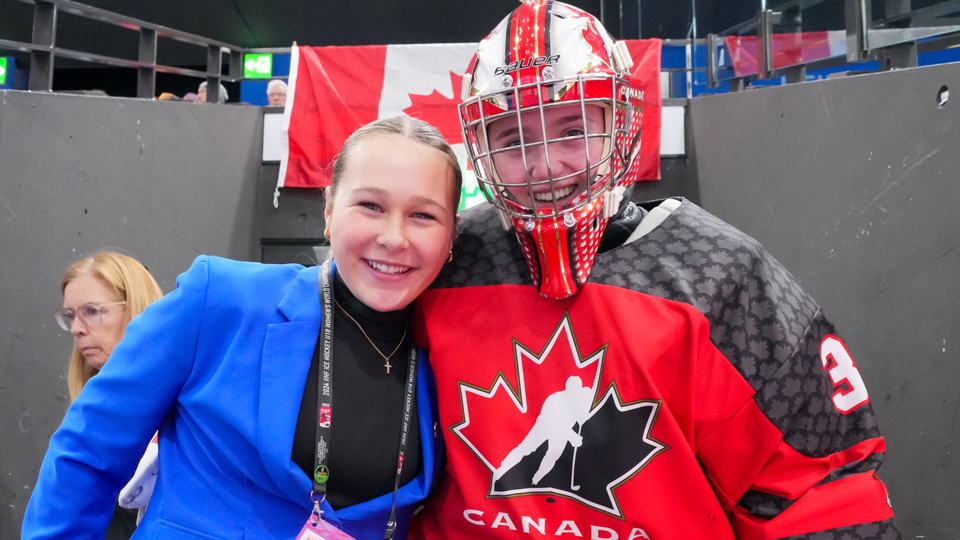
(288, 398)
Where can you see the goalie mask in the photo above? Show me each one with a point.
(551, 119)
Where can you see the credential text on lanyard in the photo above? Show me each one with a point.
(324, 355)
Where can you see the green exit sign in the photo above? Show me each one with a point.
(3, 71)
(257, 66)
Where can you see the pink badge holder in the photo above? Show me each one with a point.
(317, 529)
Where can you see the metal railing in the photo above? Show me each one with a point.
(43, 49)
(690, 68)
(772, 44)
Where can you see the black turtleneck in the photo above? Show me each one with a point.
(367, 405)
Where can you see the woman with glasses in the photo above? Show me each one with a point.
(100, 296)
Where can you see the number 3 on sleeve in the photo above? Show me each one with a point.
(851, 392)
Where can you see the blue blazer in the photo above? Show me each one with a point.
(220, 364)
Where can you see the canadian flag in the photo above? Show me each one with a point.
(335, 90)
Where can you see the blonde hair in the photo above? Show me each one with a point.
(129, 280)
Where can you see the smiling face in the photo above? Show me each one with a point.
(95, 343)
(392, 220)
(567, 158)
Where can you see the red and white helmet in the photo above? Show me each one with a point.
(551, 119)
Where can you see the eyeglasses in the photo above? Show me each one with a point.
(90, 314)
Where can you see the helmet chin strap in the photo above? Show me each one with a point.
(504, 219)
(549, 247)
(611, 201)
(550, 238)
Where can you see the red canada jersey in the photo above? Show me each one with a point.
(690, 390)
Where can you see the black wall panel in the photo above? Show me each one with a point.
(163, 182)
(852, 183)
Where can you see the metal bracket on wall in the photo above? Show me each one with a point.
(856, 15)
(796, 74)
(235, 68)
(764, 33)
(901, 56)
(712, 59)
(789, 21)
(214, 67)
(44, 34)
(147, 76)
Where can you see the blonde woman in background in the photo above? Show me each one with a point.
(101, 294)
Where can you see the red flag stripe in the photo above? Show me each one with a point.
(337, 90)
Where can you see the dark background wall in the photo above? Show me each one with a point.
(163, 182)
(852, 183)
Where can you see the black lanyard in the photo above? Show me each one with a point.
(324, 355)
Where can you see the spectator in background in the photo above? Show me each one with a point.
(202, 94)
(191, 97)
(277, 93)
(101, 294)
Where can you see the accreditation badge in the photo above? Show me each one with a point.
(321, 530)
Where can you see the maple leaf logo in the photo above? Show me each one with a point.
(554, 432)
(439, 110)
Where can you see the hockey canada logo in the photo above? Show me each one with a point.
(558, 432)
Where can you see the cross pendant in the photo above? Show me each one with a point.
(388, 366)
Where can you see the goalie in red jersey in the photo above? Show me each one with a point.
(613, 371)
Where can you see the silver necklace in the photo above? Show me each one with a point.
(386, 357)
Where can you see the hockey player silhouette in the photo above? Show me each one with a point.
(559, 413)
